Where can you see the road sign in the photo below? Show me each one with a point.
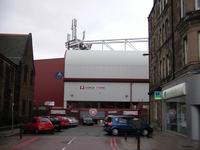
(93, 112)
(157, 95)
(59, 75)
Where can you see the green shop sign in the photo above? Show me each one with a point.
(157, 95)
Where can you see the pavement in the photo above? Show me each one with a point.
(8, 133)
(161, 141)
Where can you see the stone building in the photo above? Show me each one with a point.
(17, 71)
(174, 57)
(7, 86)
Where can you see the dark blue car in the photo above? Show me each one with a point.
(116, 125)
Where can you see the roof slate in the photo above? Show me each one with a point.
(13, 46)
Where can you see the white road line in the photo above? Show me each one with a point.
(71, 140)
(64, 148)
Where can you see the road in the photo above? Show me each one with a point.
(94, 138)
(77, 138)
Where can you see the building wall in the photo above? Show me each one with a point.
(18, 81)
(107, 81)
(26, 71)
(49, 85)
(181, 46)
(7, 85)
(106, 92)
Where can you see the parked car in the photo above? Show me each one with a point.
(116, 125)
(64, 122)
(87, 121)
(39, 124)
(72, 121)
(56, 122)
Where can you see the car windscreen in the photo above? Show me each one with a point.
(108, 119)
(44, 120)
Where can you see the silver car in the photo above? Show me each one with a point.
(72, 121)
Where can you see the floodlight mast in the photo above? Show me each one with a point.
(74, 30)
(77, 44)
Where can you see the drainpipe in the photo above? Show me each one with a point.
(172, 29)
(131, 100)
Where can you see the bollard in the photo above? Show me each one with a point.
(20, 131)
(138, 139)
(125, 136)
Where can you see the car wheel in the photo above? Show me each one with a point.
(145, 132)
(51, 131)
(36, 131)
(59, 129)
(115, 132)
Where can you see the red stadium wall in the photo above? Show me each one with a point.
(49, 85)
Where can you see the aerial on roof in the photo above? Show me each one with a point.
(13, 46)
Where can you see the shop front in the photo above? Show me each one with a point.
(174, 100)
(176, 117)
(181, 107)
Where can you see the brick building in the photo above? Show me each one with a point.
(49, 86)
(174, 57)
(17, 73)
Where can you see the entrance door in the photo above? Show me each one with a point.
(195, 122)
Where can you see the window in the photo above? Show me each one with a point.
(44, 120)
(32, 77)
(164, 68)
(163, 33)
(176, 117)
(197, 4)
(161, 71)
(166, 27)
(122, 121)
(30, 107)
(160, 6)
(154, 74)
(25, 73)
(185, 49)
(1, 68)
(182, 8)
(165, 2)
(24, 107)
(167, 65)
(160, 37)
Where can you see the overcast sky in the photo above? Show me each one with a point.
(49, 21)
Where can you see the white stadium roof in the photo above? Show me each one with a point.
(106, 64)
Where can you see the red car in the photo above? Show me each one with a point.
(64, 122)
(39, 124)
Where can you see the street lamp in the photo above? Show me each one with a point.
(12, 115)
(12, 111)
(147, 54)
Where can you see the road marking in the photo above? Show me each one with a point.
(113, 144)
(64, 148)
(71, 140)
(24, 143)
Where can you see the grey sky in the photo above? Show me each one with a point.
(49, 21)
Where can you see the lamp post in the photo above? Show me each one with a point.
(12, 111)
(149, 120)
(12, 126)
